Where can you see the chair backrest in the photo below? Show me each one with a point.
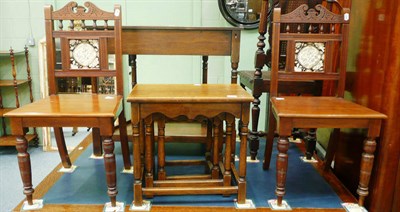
(286, 7)
(316, 50)
(82, 33)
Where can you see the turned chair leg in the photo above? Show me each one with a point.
(311, 142)
(110, 167)
(24, 163)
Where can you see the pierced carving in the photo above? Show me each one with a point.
(84, 54)
(76, 12)
(318, 14)
(309, 57)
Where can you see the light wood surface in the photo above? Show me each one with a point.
(71, 105)
(322, 107)
(188, 93)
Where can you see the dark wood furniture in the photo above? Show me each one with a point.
(8, 84)
(84, 53)
(217, 102)
(258, 81)
(326, 38)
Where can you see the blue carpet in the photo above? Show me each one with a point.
(305, 187)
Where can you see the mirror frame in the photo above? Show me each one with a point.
(232, 20)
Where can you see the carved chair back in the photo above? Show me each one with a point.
(316, 49)
(286, 7)
(82, 33)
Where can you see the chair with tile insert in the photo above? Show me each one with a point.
(84, 53)
(258, 81)
(319, 53)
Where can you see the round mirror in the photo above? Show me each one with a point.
(241, 13)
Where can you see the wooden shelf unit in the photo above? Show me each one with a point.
(5, 139)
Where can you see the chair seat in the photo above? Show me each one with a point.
(306, 87)
(71, 105)
(321, 107)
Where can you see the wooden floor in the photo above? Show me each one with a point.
(54, 176)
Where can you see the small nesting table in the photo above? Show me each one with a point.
(213, 101)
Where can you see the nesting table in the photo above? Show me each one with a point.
(213, 101)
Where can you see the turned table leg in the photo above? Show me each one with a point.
(230, 120)
(215, 152)
(161, 149)
(149, 153)
(137, 164)
(242, 161)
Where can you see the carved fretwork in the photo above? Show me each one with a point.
(319, 14)
(89, 12)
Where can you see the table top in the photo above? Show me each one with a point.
(71, 105)
(321, 107)
(189, 93)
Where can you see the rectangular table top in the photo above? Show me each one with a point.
(189, 93)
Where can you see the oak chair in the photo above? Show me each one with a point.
(258, 81)
(316, 51)
(84, 53)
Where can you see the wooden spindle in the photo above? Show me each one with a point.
(287, 28)
(310, 29)
(298, 28)
(105, 24)
(71, 25)
(321, 29)
(94, 25)
(83, 25)
(333, 29)
(14, 74)
(60, 25)
(28, 70)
